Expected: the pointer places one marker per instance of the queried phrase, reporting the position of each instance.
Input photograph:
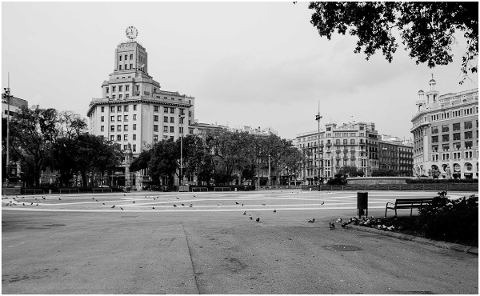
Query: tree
(96, 155)
(32, 135)
(164, 161)
(427, 29)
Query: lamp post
(269, 174)
(181, 149)
(6, 95)
(317, 118)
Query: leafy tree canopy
(427, 29)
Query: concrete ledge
(421, 240)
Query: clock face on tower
(132, 32)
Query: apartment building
(445, 134)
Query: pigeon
(93, 197)
(274, 211)
(177, 198)
(322, 203)
(344, 224)
(113, 206)
(251, 218)
(175, 206)
(124, 194)
(242, 205)
(194, 196)
(258, 219)
(311, 221)
(245, 212)
(236, 203)
(59, 198)
(31, 204)
(263, 204)
(183, 205)
(191, 205)
(121, 208)
(43, 197)
(37, 204)
(218, 204)
(339, 220)
(103, 203)
(96, 200)
(331, 226)
(7, 204)
(153, 208)
(35, 198)
(24, 204)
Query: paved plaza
(211, 243)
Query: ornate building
(350, 144)
(135, 112)
(445, 134)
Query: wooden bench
(410, 203)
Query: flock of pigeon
(331, 225)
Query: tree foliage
(427, 29)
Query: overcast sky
(247, 64)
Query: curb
(421, 240)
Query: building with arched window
(445, 134)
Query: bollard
(362, 203)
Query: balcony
(338, 151)
(328, 144)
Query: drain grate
(343, 248)
(54, 224)
(37, 228)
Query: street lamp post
(181, 116)
(7, 162)
(269, 173)
(317, 118)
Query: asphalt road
(78, 245)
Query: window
(113, 96)
(165, 129)
(445, 128)
(182, 111)
(120, 96)
(337, 142)
(172, 110)
(112, 118)
(119, 88)
(102, 119)
(190, 130)
(125, 137)
(456, 126)
(131, 56)
(119, 118)
(112, 128)
(119, 108)
(125, 108)
(468, 135)
(134, 116)
(103, 109)
(434, 139)
(155, 108)
(181, 120)
(125, 117)
(112, 138)
(155, 138)
(112, 109)
(165, 118)
(345, 141)
(172, 119)
(165, 109)
(134, 147)
(120, 57)
(155, 117)
(134, 137)
(434, 129)
(102, 128)
(106, 90)
(468, 144)
(138, 87)
(119, 128)
(445, 138)
(119, 137)
(445, 147)
(189, 113)
(172, 129)
(466, 124)
(126, 57)
(456, 136)
(457, 145)
(155, 128)
(134, 127)
(180, 130)
(134, 106)
(125, 127)
(127, 87)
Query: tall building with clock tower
(135, 112)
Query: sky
(257, 64)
